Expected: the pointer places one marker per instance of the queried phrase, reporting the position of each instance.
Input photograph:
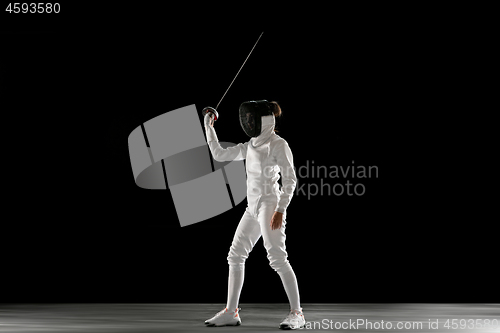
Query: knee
(280, 264)
(236, 260)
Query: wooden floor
(255, 317)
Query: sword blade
(239, 70)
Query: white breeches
(249, 230)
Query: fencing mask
(251, 113)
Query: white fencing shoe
(294, 320)
(224, 318)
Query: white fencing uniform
(265, 155)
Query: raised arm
(220, 154)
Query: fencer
(267, 155)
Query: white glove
(209, 128)
(208, 120)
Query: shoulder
(278, 143)
(278, 140)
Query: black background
(365, 84)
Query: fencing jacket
(266, 156)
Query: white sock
(234, 285)
(292, 289)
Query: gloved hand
(209, 127)
(208, 119)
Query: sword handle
(211, 110)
